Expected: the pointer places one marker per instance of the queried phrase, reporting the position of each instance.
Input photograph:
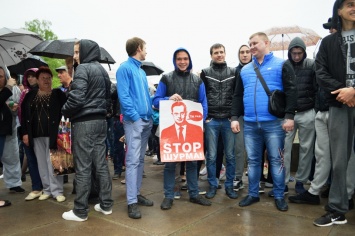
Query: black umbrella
(63, 48)
(151, 69)
(30, 62)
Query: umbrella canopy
(63, 48)
(151, 69)
(30, 62)
(280, 37)
(15, 45)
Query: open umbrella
(15, 44)
(63, 48)
(280, 37)
(30, 62)
(151, 69)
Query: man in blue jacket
(136, 107)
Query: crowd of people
(120, 120)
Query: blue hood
(174, 56)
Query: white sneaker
(203, 171)
(43, 197)
(33, 195)
(99, 209)
(60, 198)
(1, 176)
(69, 215)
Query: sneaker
(299, 188)
(200, 200)
(271, 193)
(237, 184)
(203, 171)
(123, 181)
(60, 198)
(184, 187)
(98, 208)
(133, 211)
(331, 218)
(268, 185)
(201, 192)
(69, 215)
(261, 188)
(116, 176)
(143, 201)
(231, 193)
(211, 192)
(43, 197)
(166, 204)
(306, 198)
(17, 189)
(33, 195)
(177, 195)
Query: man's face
(45, 81)
(63, 76)
(244, 55)
(31, 79)
(258, 46)
(142, 53)
(347, 11)
(2, 78)
(182, 60)
(179, 114)
(76, 56)
(297, 54)
(218, 55)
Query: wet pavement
(224, 217)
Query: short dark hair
(133, 44)
(215, 46)
(43, 69)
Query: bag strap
(257, 71)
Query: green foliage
(42, 28)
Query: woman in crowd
(41, 114)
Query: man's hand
(288, 125)
(176, 97)
(351, 103)
(235, 126)
(345, 95)
(25, 140)
(11, 82)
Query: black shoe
(166, 204)
(299, 188)
(143, 201)
(331, 218)
(211, 192)
(17, 189)
(248, 200)
(306, 198)
(231, 194)
(133, 211)
(184, 187)
(281, 204)
(200, 200)
(325, 193)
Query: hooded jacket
(27, 87)
(305, 72)
(219, 80)
(331, 60)
(90, 89)
(188, 85)
(5, 112)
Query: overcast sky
(166, 25)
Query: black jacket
(219, 80)
(90, 88)
(56, 102)
(5, 112)
(331, 66)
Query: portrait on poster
(181, 131)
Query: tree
(42, 28)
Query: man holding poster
(178, 85)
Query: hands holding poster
(181, 131)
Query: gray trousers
(52, 184)
(10, 159)
(89, 149)
(304, 123)
(322, 153)
(239, 150)
(341, 132)
(350, 175)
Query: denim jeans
(137, 134)
(191, 177)
(213, 128)
(33, 168)
(270, 133)
(118, 147)
(88, 143)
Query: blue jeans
(270, 133)
(137, 134)
(191, 177)
(33, 168)
(88, 145)
(118, 147)
(214, 128)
